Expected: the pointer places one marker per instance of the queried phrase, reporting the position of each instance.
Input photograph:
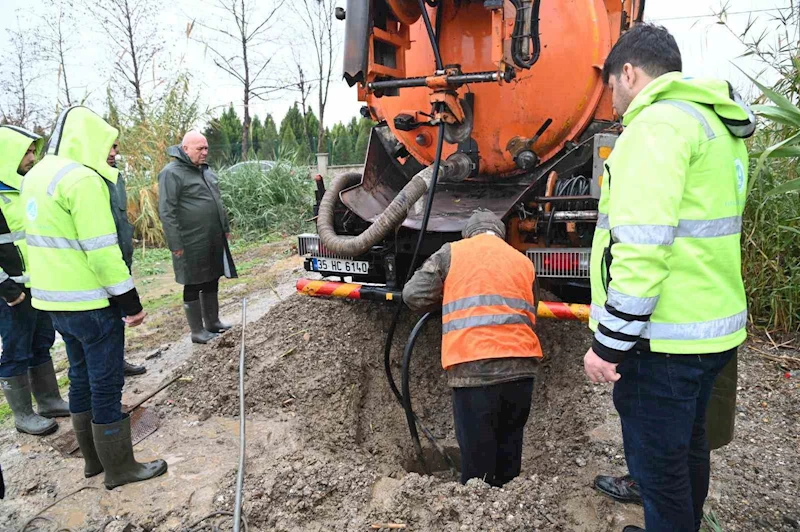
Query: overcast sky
(709, 49)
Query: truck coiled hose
(388, 221)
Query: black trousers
(191, 292)
(489, 423)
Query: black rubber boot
(114, 447)
(131, 370)
(18, 394)
(82, 425)
(210, 304)
(632, 528)
(194, 315)
(45, 390)
(622, 489)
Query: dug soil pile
(339, 456)
(350, 462)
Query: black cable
(523, 58)
(431, 35)
(412, 425)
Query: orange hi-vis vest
(488, 309)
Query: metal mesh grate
(572, 263)
(309, 244)
(144, 422)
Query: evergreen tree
(294, 120)
(362, 142)
(224, 138)
(312, 127)
(271, 141)
(352, 129)
(341, 145)
(256, 137)
(289, 145)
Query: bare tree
(304, 87)
(247, 30)
(56, 35)
(318, 20)
(131, 26)
(21, 71)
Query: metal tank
(527, 125)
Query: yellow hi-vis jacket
(74, 260)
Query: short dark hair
(647, 46)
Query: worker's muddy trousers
(95, 347)
(662, 402)
(489, 423)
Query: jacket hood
(713, 93)
(14, 142)
(178, 153)
(82, 136)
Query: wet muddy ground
(328, 446)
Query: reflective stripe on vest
(697, 115)
(9, 238)
(19, 279)
(57, 242)
(76, 296)
(703, 330)
(485, 321)
(61, 174)
(665, 235)
(485, 301)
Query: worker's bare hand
(17, 301)
(135, 320)
(178, 253)
(598, 370)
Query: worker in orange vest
(489, 347)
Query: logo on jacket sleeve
(31, 209)
(741, 175)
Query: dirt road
(328, 447)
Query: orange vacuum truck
(497, 104)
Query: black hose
(387, 347)
(412, 425)
(522, 58)
(431, 35)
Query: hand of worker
(17, 301)
(135, 320)
(178, 253)
(598, 370)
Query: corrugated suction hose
(387, 222)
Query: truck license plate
(340, 266)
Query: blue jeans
(489, 424)
(95, 348)
(27, 334)
(662, 401)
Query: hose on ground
(387, 346)
(387, 222)
(411, 418)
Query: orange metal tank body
(564, 85)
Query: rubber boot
(210, 304)
(194, 316)
(45, 390)
(114, 447)
(18, 394)
(82, 425)
(131, 370)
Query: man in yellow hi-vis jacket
(668, 301)
(77, 274)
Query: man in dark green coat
(197, 228)
(119, 210)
